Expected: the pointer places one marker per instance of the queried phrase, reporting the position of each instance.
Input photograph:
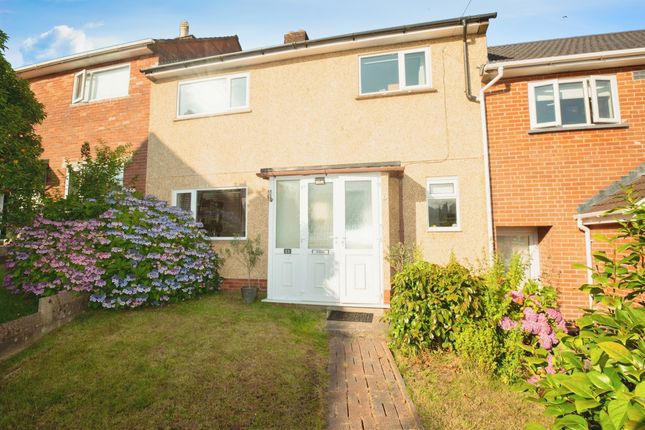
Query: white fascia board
(86, 59)
(568, 63)
(237, 60)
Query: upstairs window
(574, 102)
(101, 84)
(394, 72)
(212, 96)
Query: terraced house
(102, 96)
(331, 150)
(566, 128)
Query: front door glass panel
(321, 216)
(359, 225)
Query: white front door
(325, 240)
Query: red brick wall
(230, 284)
(116, 122)
(539, 180)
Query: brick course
(539, 180)
(115, 122)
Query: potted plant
(248, 253)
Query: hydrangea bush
(519, 325)
(139, 252)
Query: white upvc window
(443, 204)
(523, 242)
(573, 102)
(213, 95)
(222, 211)
(101, 84)
(394, 71)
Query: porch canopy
(394, 168)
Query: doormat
(350, 316)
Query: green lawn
(208, 363)
(451, 397)
(14, 306)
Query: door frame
(378, 207)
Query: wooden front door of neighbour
(325, 240)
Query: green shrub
(479, 345)
(431, 303)
(598, 377)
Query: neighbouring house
(102, 95)
(332, 150)
(566, 128)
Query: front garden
(464, 340)
(212, 362)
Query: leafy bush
(519, 322)
(401, 254)
(140, 251)
(480, 345)
(598, 377)
(431, 303)
(97, 176)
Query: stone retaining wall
(53, 312)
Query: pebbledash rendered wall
(307, 111)
(119, 121)
(538, 180)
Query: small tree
(247, 252)
(96, 176)
(91, 181)
(22, 173)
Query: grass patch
(14, 306)
(207, 363)
(449, 396)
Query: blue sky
(45, 29)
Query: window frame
(591, 101)
(85, 91)
(454, 180)
(594, 99)
(534, 248)
(193, 207)
(401, 68)
(228, 79)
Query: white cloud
(60, 41)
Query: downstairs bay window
(222, 211)
(574, 102)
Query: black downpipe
(468, 90)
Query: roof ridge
(613, 188)
(567, 38)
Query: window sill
(92, 102)
(578, 128)
(208, 115)
(396, 93)
(443, 230)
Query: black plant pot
(249, 294)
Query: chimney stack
(183, 29)
(295, 36)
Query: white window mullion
(556, 103)
(402, 83)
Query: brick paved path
(366, 389)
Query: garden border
(53, 312)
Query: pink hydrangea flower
(507, 324)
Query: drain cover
(350, 316)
